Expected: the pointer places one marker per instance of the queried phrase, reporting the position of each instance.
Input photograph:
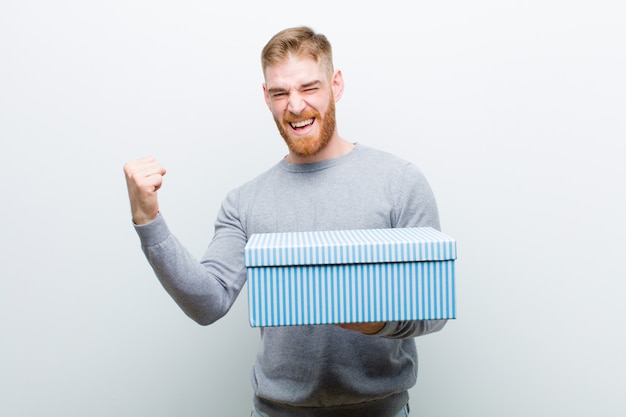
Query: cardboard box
(350, 276)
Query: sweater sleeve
(205, 290)
(416, 207)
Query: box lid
(349, 246)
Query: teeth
(302, 123)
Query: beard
(307, 146)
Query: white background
(514, 110)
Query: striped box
(350, 276)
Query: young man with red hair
(324, 183)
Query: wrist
(142, 218)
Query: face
(301, 97)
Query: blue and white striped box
(350, 276)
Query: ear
(337, 85)
(266, 96)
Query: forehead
(293, 71)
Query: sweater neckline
(321, 165)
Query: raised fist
(144, 178)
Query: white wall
(514, 110)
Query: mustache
(309, 114)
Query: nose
(295, 103)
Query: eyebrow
(304, 86)
(315, 83)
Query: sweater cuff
(389, 329)
(154, 232)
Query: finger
(144, 167)
(150, 163)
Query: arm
(415, 207)
(205, 290)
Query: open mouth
(302, 123)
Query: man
(324, 183)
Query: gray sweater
(307, 370)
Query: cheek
(321, 104)
(277, 110)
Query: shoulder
(398, 167)
(254, 186)
(384, 158)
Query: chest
(320, 203)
